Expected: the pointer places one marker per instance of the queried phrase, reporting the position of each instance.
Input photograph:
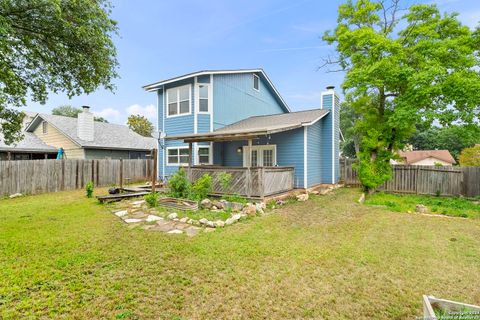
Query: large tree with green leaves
(140, 125)
(412, 67)
(52, 46)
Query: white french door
(262, 156)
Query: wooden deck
(255, 182)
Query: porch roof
(256, 126)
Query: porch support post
(190, 161)
(249, 171)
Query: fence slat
(40, 176)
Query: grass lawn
(450, 206)
(65, 256)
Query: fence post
(154, 171)
(93, 172)
(121, 173)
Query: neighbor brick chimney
(85, 128)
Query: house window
(177, 156)
(256, 82)
(262, 156)
(203, 98)
(204, 155)
(44, 127)
(178, 101)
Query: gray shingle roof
(275, 121)
(29, 143)
(260, 125)
(106, 135)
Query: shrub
(470, 156)
(89, 189)
(235, 198)
(152, 199)
(201, 188)
(225, 180)
(179, 184)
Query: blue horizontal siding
(203, 123)
(314, 155)
(289, 152)
(235, 99)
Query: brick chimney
(85, 128)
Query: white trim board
(305, 157)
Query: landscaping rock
(260, 207)
(250, 209)
(122, 213)
(214, 208)
(219, 204)
(211, 224)
(230, 221)
(137, 202)
(172, 215)
(175, 231)
(192, 231)
(206, 204)
(219, 224)
(280, 203)
(203, 221)
(237, 216)
(302, 197)
(184, 220)
(315, 192)
(420, 208)
(152, 218)
(15, 195)
(133, 220)
(208, 229)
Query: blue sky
(162, 39)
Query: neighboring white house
(426, 158)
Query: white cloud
(110, 114)
(148, 111)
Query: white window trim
(210, 155)
(178, 102)
(259, 149)
(253, 84)
(197, 98)
(176, 164)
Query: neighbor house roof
(106, 135)
(156, 85)
(29, 143)
(418, 155)
(258, 126)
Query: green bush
(201, 188)
(152, 199)
(89, 189)
(179, 184)
(235, 198)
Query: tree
(453, 138)
(52, 46)
(72, 112)
(415, 68)
(140, 125)
(470, 156)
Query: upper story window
(203, 98)
(44, 127)
(256, 82)
(178, 100)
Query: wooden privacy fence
(41, 176)
(249, 182)
(450, 181)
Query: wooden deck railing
(248, 182)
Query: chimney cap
(330, 87)
(86, 108)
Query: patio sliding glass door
(262, 156)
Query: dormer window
(256, 82)
(178, 100)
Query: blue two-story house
(237, 121)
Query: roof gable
(106, 135)
(157, 85)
